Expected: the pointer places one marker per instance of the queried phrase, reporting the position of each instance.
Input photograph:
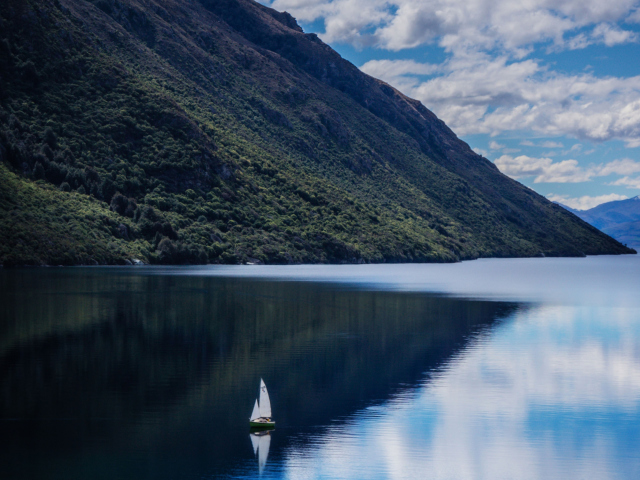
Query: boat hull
(261, 423)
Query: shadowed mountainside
(209, 131)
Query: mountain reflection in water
(151, 373)
(108, 373)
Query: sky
(549, 90)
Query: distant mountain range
(620, 219)
(218, 131)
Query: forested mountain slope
(204, 131)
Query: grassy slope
(232, 148)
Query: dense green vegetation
(218, 132)
(38, 221)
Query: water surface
(524, 368)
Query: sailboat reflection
(261, 442)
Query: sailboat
(261, 415)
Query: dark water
(492, 369)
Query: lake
(490, 369)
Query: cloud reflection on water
(553, 393)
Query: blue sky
(547, 89)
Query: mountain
(217, 131)
(620, 219)
(567, 207)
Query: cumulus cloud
(550, 144)
(546, 170)
(625, 166)
(480, 94)
(402, 74)
(612, 35)
(496, 146)
(467, 24)
(575, 148)
(634, 17)
(585, 202)
(627, 182)
(380, 68)
(522, 166)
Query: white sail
(263, 451)
(255, 440)
(265, 403)
(256, 412)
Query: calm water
(493, 369)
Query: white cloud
(496, 146)
(380, 68)
(567, 171)
(545, 144)
(459, 25)
(607, 34)
(544, 169)
(634, 17)
(522, 166)
(627, 182)
(478, 94)
(549, 144)
(625, 166)
(611, 35)
(402, 74)
(577, 42)
(585, 202)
